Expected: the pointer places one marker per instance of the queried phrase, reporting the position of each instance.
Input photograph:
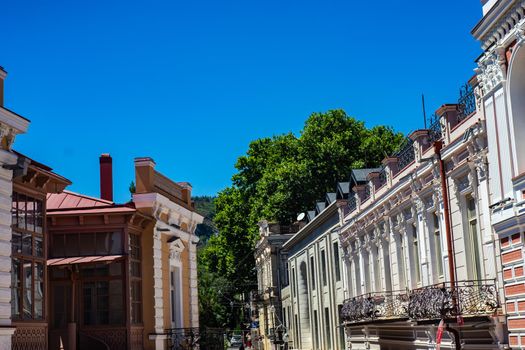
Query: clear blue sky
(191, 82)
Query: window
(86, 244)
(327, 329)
(176, 305)
(102, 294)
(312, 271)
(475, 254)
(415, 254)
(323, 266)
(341, 328)
(27, 264)
(377, 270)
(402, 263)
(135, 258)
(294, 280)
(316, 330)
(437, 245)
(336, 262)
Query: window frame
(32, 258)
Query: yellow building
(169, 251)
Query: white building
(501, 73)
(312, 301)
(11, 124)
(418, 244)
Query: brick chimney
(3, 74)
(106, 177)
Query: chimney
(3, 74)
(106, 177)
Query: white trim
(14, 121)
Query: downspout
(438, 145)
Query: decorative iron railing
(372, 307)
(367, 192)
(467, 298)
(406, 154)
(352, 204)
(466, 102)
(434, 130)
(195, 338)
(382, 177)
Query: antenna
(424, 112)
(301, 216)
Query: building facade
(315, 294)
(272, 275)
(501, 98)
(123, 275)
(419, 247)
(11, 125)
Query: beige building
(272, 275)
(169, 248)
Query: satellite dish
(301, 216)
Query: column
(6, 189)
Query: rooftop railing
(406, 154)
(440, 301)
(466, 102)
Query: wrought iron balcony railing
(406, 154)
(466, 102)
(467, 298)
(373, 307)
(195, 338)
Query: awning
(82, 260)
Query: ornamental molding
(491, 71)
(8, 134)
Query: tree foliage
(284, 175)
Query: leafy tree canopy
(284, 175)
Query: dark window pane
(71, 245)
(15, 288)
(115, 242)
(58, 245)
(39, 290)
(21, 204)
(87, 244)
(28, 288)
(27, 244)
(102, 243)
(30, 214)
(16, 242)
(39, 219)
(39, 246)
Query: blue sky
(191, 83)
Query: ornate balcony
(467, 298)
(375, 307)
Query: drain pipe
(438, 145)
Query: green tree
(280, 177)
